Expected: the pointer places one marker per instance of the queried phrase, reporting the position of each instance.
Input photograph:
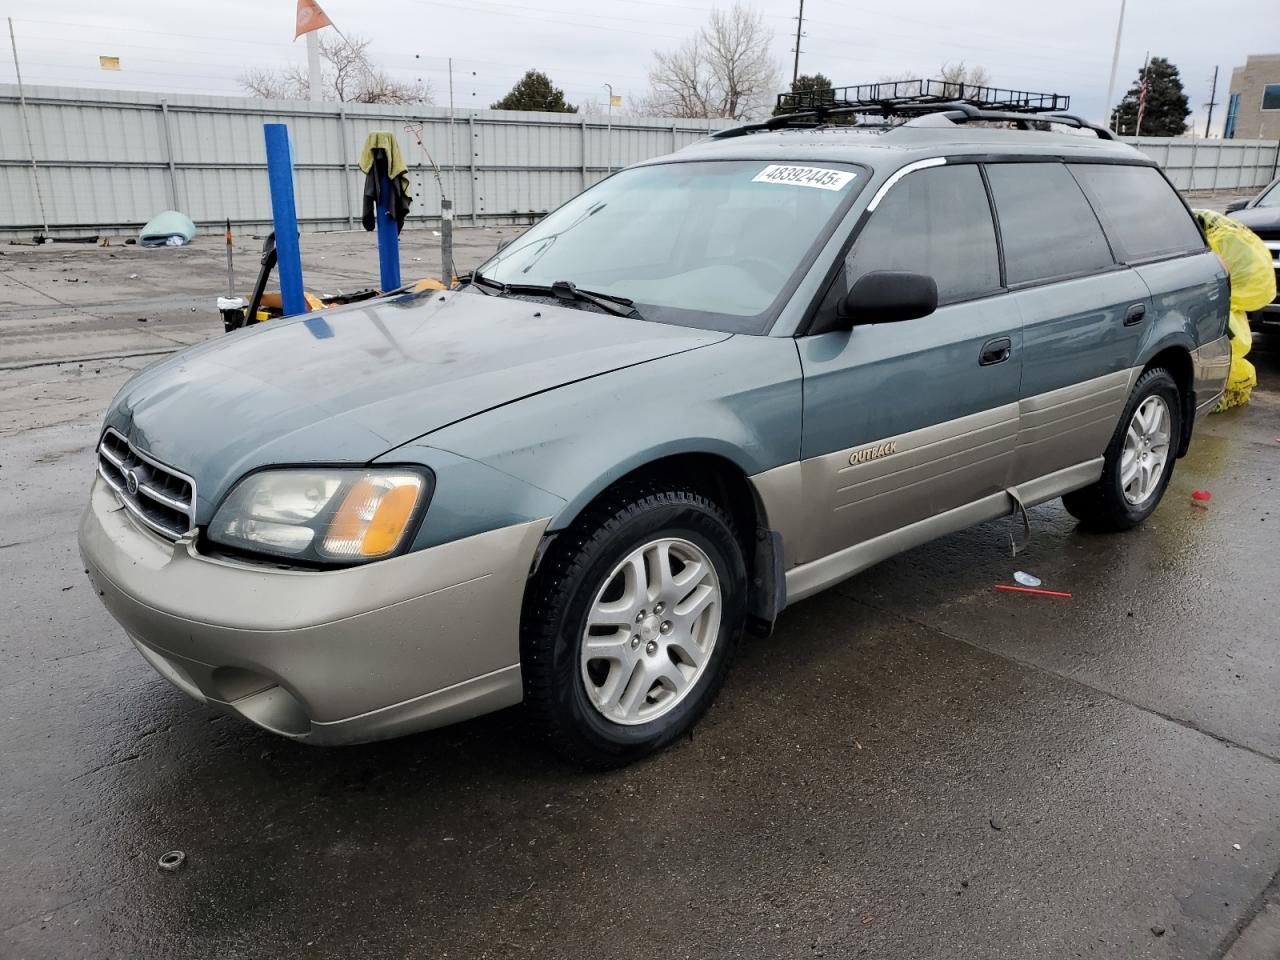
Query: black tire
(1103, 505)
(576, 567)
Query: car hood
(347, 385)
(1258, 218)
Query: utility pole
(1115, 62)
(795, 72)
(453, 154)
(1213, 92)
(608, 136)
(313, 66)
(26, 123)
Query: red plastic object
(1038, 592)
(1204, 496)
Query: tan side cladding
(859, 493)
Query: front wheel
(1139, 459)
(630, 624)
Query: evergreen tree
(1166, 110)
(534, 91)
(810, 83)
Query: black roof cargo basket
(905, 99)
(892, 97)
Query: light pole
(1115, 62)
(608, 135)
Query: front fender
(739, 399)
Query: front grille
(159, 496)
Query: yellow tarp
(1253, 286)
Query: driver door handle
(995, 351)
(1135, 314)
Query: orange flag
(310, 17)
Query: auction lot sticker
(819, 177)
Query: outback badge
(867, 454)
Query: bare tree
(347, 73)
(975, 76)
(725, 70)
(274, 84)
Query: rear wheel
(630, 624)
(1139, 459)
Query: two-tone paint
(525, 412)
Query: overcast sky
(189, 46)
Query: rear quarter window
(1143, 215)
(1047, 227)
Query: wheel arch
(720, 475)
(1175, 357)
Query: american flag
(1142, 100)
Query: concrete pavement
(913, 766)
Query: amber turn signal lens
(389, 522)
(373, 517)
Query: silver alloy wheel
(1146, 450)
(651, 631)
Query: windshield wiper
(484, 284)
(566, 290)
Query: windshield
(1271, 198)
(710, 244)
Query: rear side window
(1047, 226)
(1143, 215)
(935, 221)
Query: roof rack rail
(965, 112)
(914, 99)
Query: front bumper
(342, 656)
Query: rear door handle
(995, 351)
(1135, 314)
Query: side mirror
(1235, 205)
(889, 296)
(503, 244)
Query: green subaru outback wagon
(705, 388)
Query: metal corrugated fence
(1213, 164)
(110, 160)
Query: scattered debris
(142, 319)
(168, 229)
(1204, 496)
(133, 276)
(1235, 846)
(1158, 931)
(1038, 593)
(172, 861)
(996, 823)
(1027, 579)
(65, 589)
(868, 920)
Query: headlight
(321, 515)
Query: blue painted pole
(388, 238)
(285, 216)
